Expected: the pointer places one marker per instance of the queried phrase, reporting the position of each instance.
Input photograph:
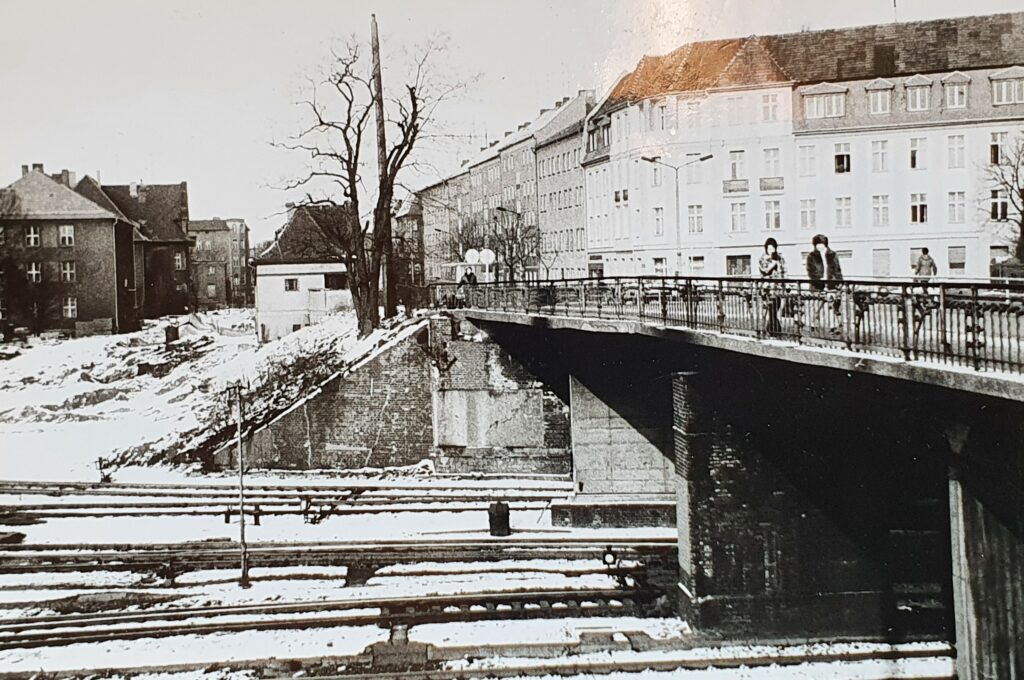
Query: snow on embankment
(126, 399)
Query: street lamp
(675, 168)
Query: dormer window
(954, 90)
(824, 101)
(1008, 86)
(879, 96)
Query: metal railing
(976, 325)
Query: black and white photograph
(561, 339)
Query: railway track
(28, 558)
(88, 628)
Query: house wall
(212, 261)
(167, 285)
(95, 287)
(278, 310)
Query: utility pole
(390, 302)
(243, 580)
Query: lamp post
(675, 168)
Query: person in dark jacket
(772, 266)
(825, 272)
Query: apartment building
(883, 144)
(445, 206)
(560, 211)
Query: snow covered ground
(65, 404)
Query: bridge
(844, 462)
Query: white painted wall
(279, 311)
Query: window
(737, 265)
(67, 271)
(655, 176)
(769, 108)
(808, 214)
(955, 151)
(919, 208)
(734, 110)
(697, 263)
(296, 327)
(1000, 207)
(825, 105)
(1008, 91)
(291, 284)
(69, 308)
(659, 221)
(772, 215)
(844, 211)
(67, 234)
(997, 148)
(34, 272)
(957, 207)
(211, 270)
(807, 160)
(695, 219)
(663, 122)
(659, 266)
(880, 156)
(736, 165)
(771, 163)
(957, 259)
(3, 236)
(880, 262)
(956, 95)
(32, 237)
(880, 211)
(211, 290)
(842, 157)
(179, 261)
(738, 215)
(880, 101)
(918, 97)
(998, 253)
(917, 152)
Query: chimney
(66, 177)
(543, 111)
(508, 132)
(24, 170)
(565, 100)
(522, 126)
(98, 178)
(37, 166)
(290, 210)
(133, 189)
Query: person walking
(825, 273)
(925, 268)
(772, 266)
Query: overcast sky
(196, 90)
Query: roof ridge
(735, 56)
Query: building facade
(883, 148)
(65, 262)
(560, 211)
(239, 271)
(445, 213)
(211, 263)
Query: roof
(37, 196)
(91, 189)
(208, 225)
(836, 55)
(567, 119)
(410, 207)
(161, 210)
(304, 237)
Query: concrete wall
(379, 416)
(491, 414)
(617, 444)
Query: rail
(970, 324)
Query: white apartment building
(882, 145)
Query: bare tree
(516, 244)
(1004, 175)
(339, 141)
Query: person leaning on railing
(772, 266)
(825, 273)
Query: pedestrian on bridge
(772, 266)
(825, 273)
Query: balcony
(735, 186)
(772, 184)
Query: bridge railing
(971, 324)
